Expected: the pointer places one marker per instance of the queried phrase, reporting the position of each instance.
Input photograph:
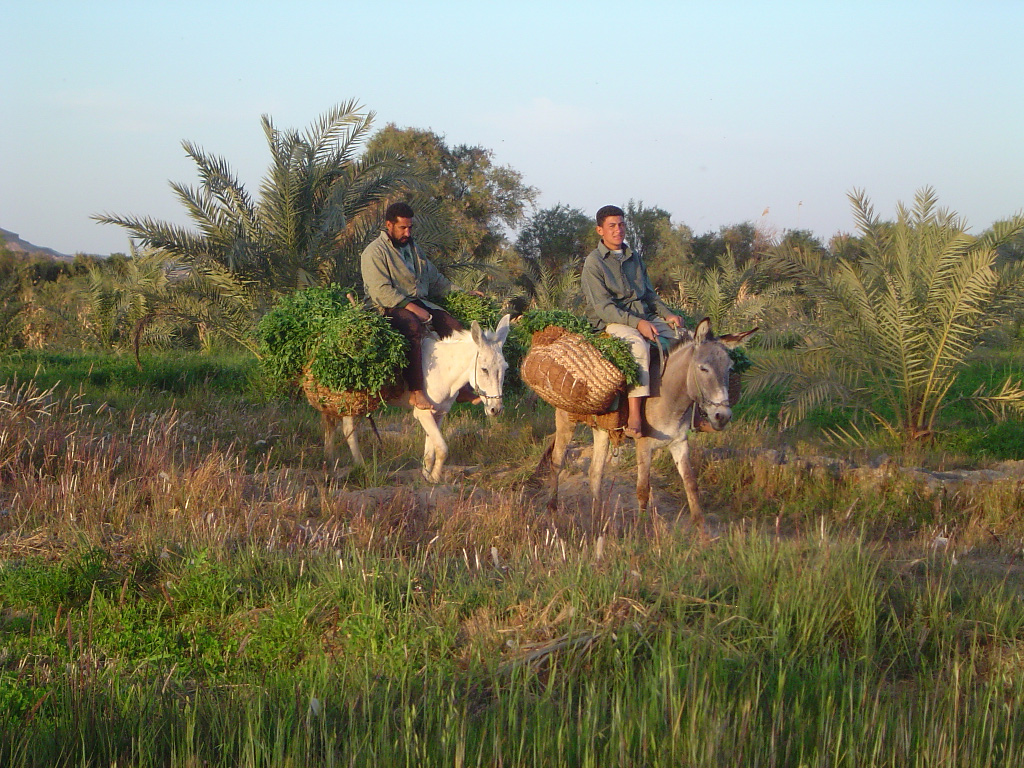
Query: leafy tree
(554, 237)
(741, 239)
(673, 254)
(800, 238)
(644, 227)
(549, 251)
(893, 328)
(475, 198)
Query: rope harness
(702, 401)
(475, 383)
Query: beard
(400, 242)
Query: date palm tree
(734, 296)
(892, 329)
(319, 203)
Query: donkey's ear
(703, 331)
(477, 333)
(501, 332)
(733, 340)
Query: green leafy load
(347, 346)
(466, 307)
(740, 361)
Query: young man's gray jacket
(619, 291)
(390, 283)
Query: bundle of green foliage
(467, 307)
(347, 346)
(740, 361)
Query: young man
(398, 278)
(622, 302)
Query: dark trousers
(406, 323)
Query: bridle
(702, 401)
(475, 383)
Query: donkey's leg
(348, 429)
(564, 427)
(435, 449)
(329, 424)
(430, 450)
(681, 453)
(643, 473)
(598, 458)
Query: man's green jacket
(390, 283)
(619, 291)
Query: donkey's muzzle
(719, 416)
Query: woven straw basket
(345, 403)
(569, 373)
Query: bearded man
(398, 278)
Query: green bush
(1004, 440)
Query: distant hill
(22, 247)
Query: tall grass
(172, 595)
(747, 652)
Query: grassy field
(183, 583)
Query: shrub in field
(893, 325)
(346, 346)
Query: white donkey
(471, 357)
(696, 374)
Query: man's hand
(421, 314)
(675, 321)
(647, 330)
(476, 293)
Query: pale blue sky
(713, 111)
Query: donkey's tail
(373, 423)
(544, 466)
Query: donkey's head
(488, 379)
(707, 380)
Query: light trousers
(641, 349)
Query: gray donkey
(696, 373)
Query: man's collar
(605, 251)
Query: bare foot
(419, 400)
(634, 430)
